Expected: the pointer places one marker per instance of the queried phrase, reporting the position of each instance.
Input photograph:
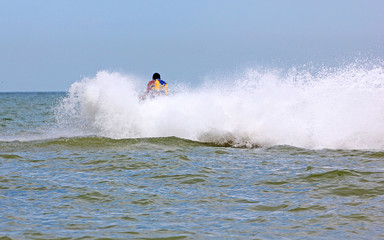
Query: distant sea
(293, 157)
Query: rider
(157, 87)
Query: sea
(262, 153)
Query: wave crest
(328, 108)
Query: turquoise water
(64, 175)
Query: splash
(338, 108)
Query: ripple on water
(109, 190)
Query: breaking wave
(337, 108)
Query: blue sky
(46, 45)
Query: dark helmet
(156, 76)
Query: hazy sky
(46, 45)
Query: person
(156, 87)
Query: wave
(336, 108)
(94, 142)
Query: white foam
(334, 108)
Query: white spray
(334, 108)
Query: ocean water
(267, 154)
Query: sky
(46, 45)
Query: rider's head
(156, 76)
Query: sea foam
(338, 108)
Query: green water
(90, 187)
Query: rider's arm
(149, 86)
